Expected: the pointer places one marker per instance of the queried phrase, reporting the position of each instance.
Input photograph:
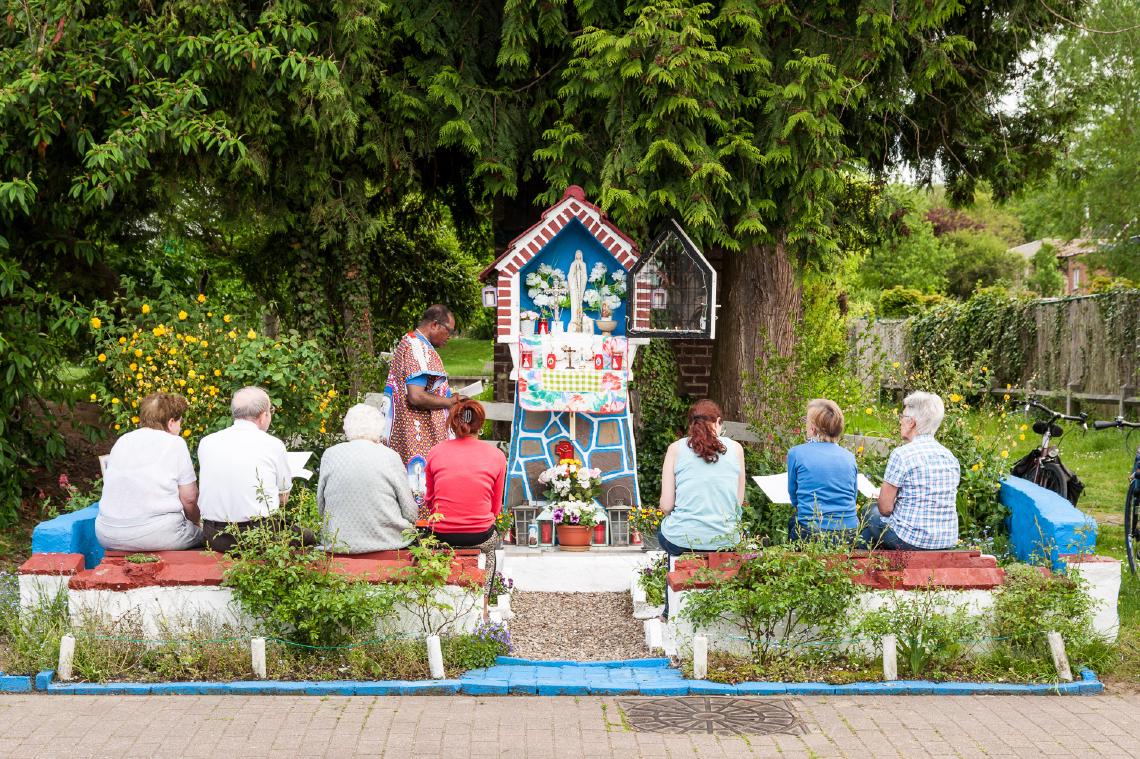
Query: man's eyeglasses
(905, 416)
(450, 330)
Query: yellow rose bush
(188, 346)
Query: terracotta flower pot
(573, 537)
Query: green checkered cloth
(572, 380)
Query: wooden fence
(1072, 353)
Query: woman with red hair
(702, 487)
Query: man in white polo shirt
(244, 474)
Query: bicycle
(1042, 465)
(1131, 496)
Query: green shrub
(196, 347)
(477, 649)
(933, 634)
(898, 302)
(1031, 603)
(783, 599)
(662, 413)
(294, 593)
(651, 579)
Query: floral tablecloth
(597, 383)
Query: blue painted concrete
(70, 533)
(646, 677)
(15, 684)
(1042, 523)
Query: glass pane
(675, 284)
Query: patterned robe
(415, 431)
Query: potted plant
(527, 322)
(604, 295)
(504, 521)
(645, 520)
(571, 488)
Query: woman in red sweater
(465, 479)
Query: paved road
(406, 727)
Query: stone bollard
(890, 658)
(435, 658)
(66, 657)
(257, 657)
(1060, 658)
(700, 657)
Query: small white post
(505, 606)
(435, 657)
(481, 561)
(890, 658)
(257, 656)
(1060, 658)
(66, 657)
(700, 657)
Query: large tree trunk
(356, 315)
(761, 302)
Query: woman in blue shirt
(702, 487)
(822, 478)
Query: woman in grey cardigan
(363, 494)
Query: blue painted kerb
(510, 676)
(1043, 523)
(70, 533)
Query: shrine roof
(573, 205)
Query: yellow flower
(1008, 386)
(116, 426)
(205, 344)
(181, 383)
(191, 374)
(135, 419)
(210, 313)
(985, 370)
(94, 397)
(231, 335)
(95, 322)
(1005, 397)
(138, 352)
(201, 298)
(955, 398)
(859, 449)
(102, 357)
(114, 401)
(226, 318)
(122, 341)
(159, 331)
(251, 334)
(145, 308)
(1005, 454)
(138, 376)
(182, 316)
(185, 433)
(895, 365)
(134, 367)
(975, 467)
(332, 393)
(217, 372)
(1021, 436)
(868, 411)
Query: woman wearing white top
(150, 491)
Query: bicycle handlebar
(1118, 422)
(1034, 403)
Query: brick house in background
(1072, 260)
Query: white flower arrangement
(606, 292)
(548, 290)
(581, 513)
(528, 316)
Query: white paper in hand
(866, 487)
(775, 486)
(471, 390)
(297, 460)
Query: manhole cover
(719, 715)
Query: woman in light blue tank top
(702, 486)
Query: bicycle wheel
(1132, 524)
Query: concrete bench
(1044, 525)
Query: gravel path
(580, 626)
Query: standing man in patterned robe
(417, 386)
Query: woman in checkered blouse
(917, 508)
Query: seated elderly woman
(150, 491)
(822, 478)
(917, 508)
(363, 492)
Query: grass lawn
(465, 357)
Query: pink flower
(576, 403)
(613, 407)
(64, 482)
(611, 381)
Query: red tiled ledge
(204, 568)
(880, 570)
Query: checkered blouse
(927, 475)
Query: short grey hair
(364, 422)
(249, 403)
(927, 411)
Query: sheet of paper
(297, 460)
(775, 486)
(471, 390)
(866, 487)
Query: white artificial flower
(619, 275)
